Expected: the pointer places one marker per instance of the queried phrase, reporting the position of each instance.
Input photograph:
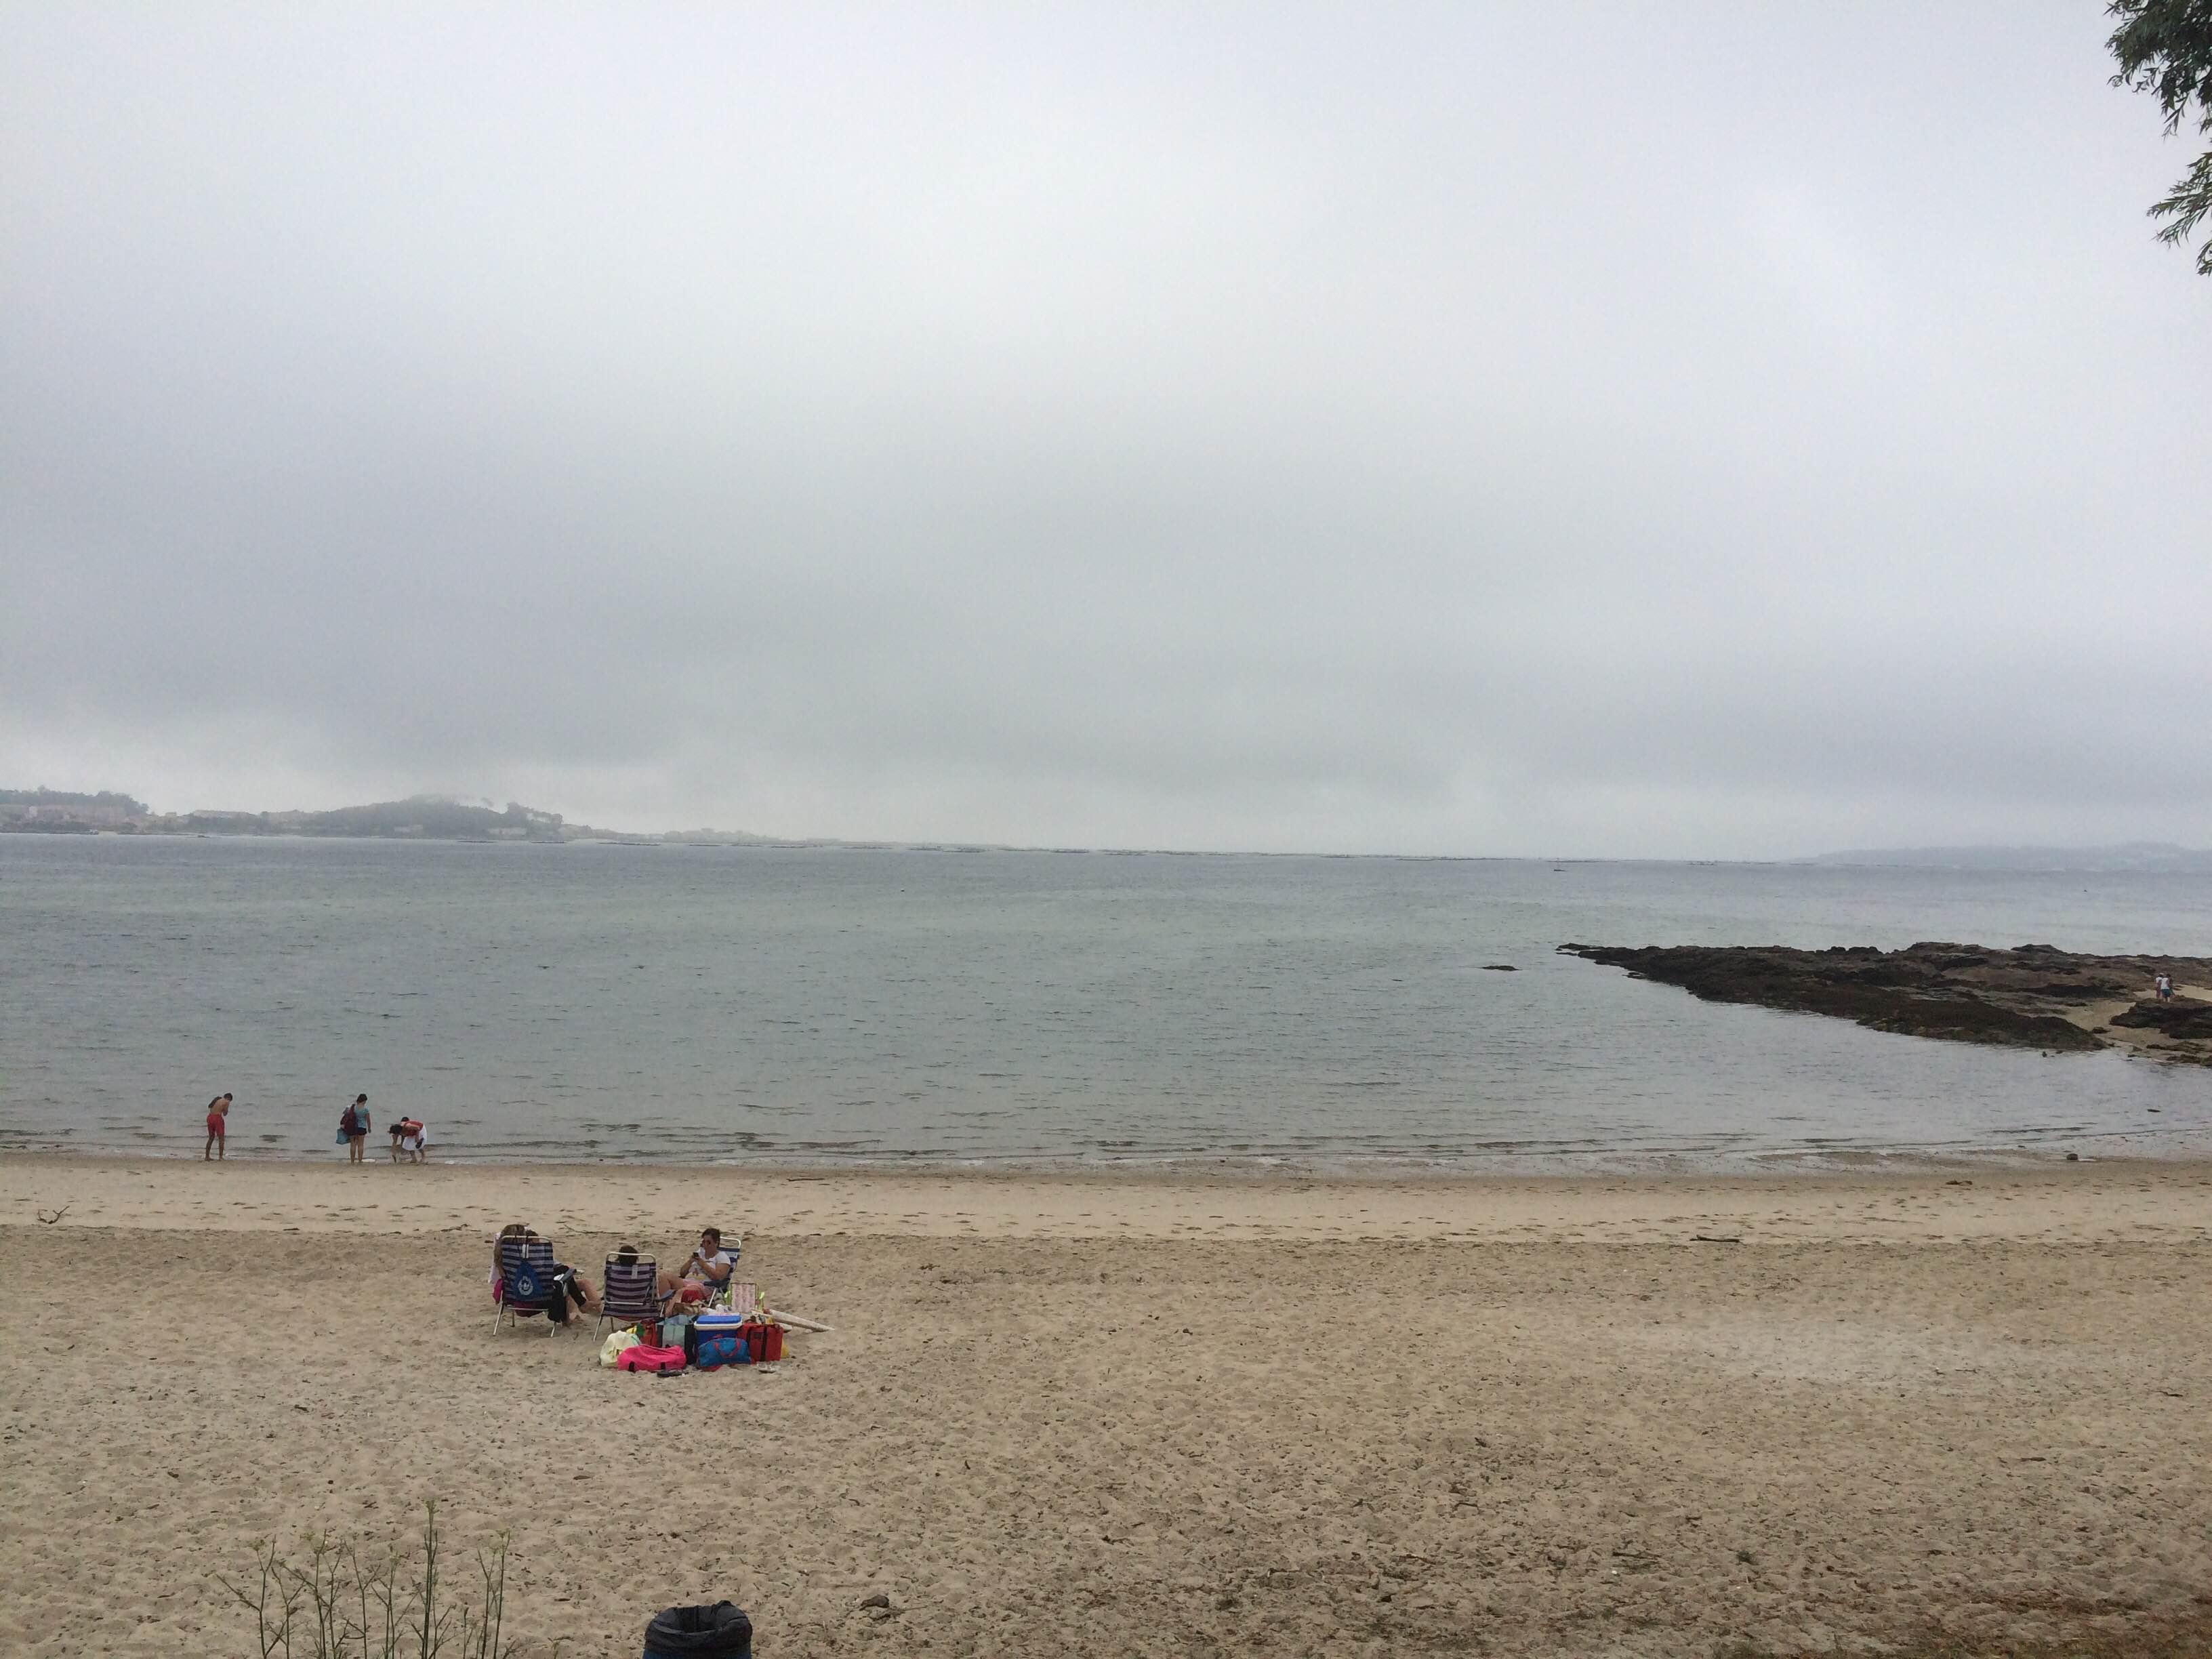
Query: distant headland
(419, 817)
(2133, 856)
(464, 819)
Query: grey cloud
(1452, 431)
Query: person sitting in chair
(574, 1287)
(706, 1272)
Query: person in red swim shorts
(218, 1109)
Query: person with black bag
(573, 1286)
(354, 1125)
(721, 1631)
(568, 1283)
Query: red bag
(763, 1340)
(643, 1358)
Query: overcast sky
(1682, 430)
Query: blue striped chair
(527, 1287)
(629, 1295)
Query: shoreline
(2138, 1198)
(2181, 1141)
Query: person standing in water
(218, 1109)
(355, 1125)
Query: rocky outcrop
(2184, 1018)
(2032, 996)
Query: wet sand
(1140, 1412)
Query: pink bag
(643, 1358)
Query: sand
(1139, 1414)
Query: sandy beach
(1113, 1414)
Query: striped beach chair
(629, 1295)
(527, 1287)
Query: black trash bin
(721, 1631)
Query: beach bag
(674, 1332)
(729, 1326)
(711, 1352)
(764, 1341)
(541, 1292)
(611, 1349)
(643, 1358)
(721, 1631)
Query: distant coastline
(418, 817)
(459, 818)
(2154, 857)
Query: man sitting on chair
(706, 1273)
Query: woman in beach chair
(704, 1274)
(526, 1279)
(630, 1292)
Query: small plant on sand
(336, 1601)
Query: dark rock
(2181, 1018)
(1500, 968)
(1938, 988)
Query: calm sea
(758, 1005)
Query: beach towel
(616, 1343)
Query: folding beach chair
(629, 1295)
(526, 1284)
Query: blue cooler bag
(711, 1352)
(721, 1631)
(718, 1339)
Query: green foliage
(2165, 47)
(336, 1602)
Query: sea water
(815, 1005)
